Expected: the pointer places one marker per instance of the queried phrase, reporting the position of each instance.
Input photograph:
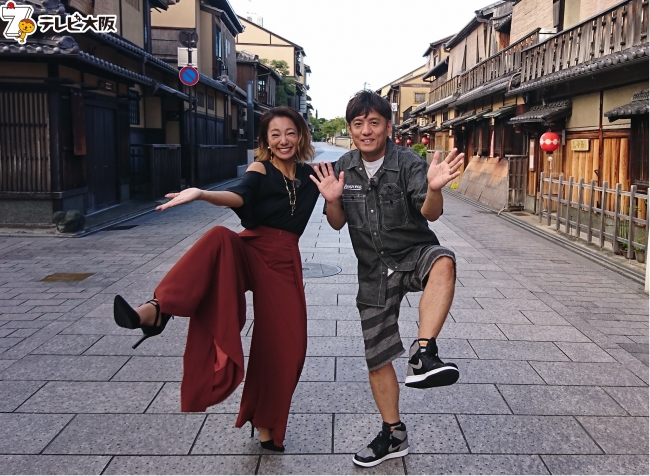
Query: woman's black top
(266, 200)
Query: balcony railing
(622, 26)
(505, 62)
(446, 89)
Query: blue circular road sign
(188, 75)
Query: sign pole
(191, 125)
(250, 122)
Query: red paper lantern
(409, 142)
(425, 140)
(549, 141)
(398, 141)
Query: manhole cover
(66, 277)
(120, 227)
(318, 270)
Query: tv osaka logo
(20, 24)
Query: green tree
(285, 89)
(317, 126)
(334, 126)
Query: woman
(274, 202)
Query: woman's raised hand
(186, 196)
(330, 187)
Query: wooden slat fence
(216, 163)
(155, 170)
(24, 142)
(578, 208)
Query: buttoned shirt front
(386, 226)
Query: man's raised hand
(330, 187)
(440, 174)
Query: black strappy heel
(267, 445)
(127, 317)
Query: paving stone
(489, 316)
(517, 350)
(618, 435)
(305, 434)
(633, 399)
(55, 367)
(596, 464)
(513, 304)
(128, 435)
(151, 369)
(519, 434)
(324, 464)
(541, 333)
(164, 345)
(455, 330)
(545, 318)
(347, 313)
(334, 346)
(427, 433)
(318, 369)
(354, 369)
(51, 464)
(321, 328)
(5, 363)
(168, 400)
(583, 373)
(474, 464)
(584, 352)
(497, 371)
(353, 329)
(565, 400)
(459, 398)
(14, 393)
(92, 397)
(29, 434)
(67, 344)
(182, 465)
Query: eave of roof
(442, 41)
(638, 106)
(457, 120)
(440, 104)
(493, 87)
(436, 70)
(544, 113)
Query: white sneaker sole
(449, 376)
(370, 464)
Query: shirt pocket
(393, 207)
(354, 206)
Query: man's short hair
(364, 102)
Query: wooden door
(101, 157)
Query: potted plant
(638, 251)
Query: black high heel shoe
(127, 317)
(267, 445)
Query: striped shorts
(381, 337)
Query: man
(386, 195)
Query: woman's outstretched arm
(222, 199)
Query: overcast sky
(349, 42)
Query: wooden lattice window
(134, 107)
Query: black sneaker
(389, 443)
(426, 370)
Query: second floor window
(217, 43)
(200, 99)
(419, 98)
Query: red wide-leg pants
(208, 285)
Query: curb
(639, 278)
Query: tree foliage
(285, 89)
(334, 126)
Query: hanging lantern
(409, 142)
(398, 141)
(425, 140)
(549, 141)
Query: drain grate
(318, 270)
(66, 277)
(521, 214)
(120, 227)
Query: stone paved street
(552, 348)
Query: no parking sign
(188, 75)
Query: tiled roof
(428, 127)
(419, 108)
(457, 120)
(630, 55)
(502, 111)
(440, 104)
(637, 107)
(495, 86)
(544, 113)
(47, 45)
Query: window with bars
(134, 107)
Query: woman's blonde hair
(305, 150)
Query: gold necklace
(292, 201)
